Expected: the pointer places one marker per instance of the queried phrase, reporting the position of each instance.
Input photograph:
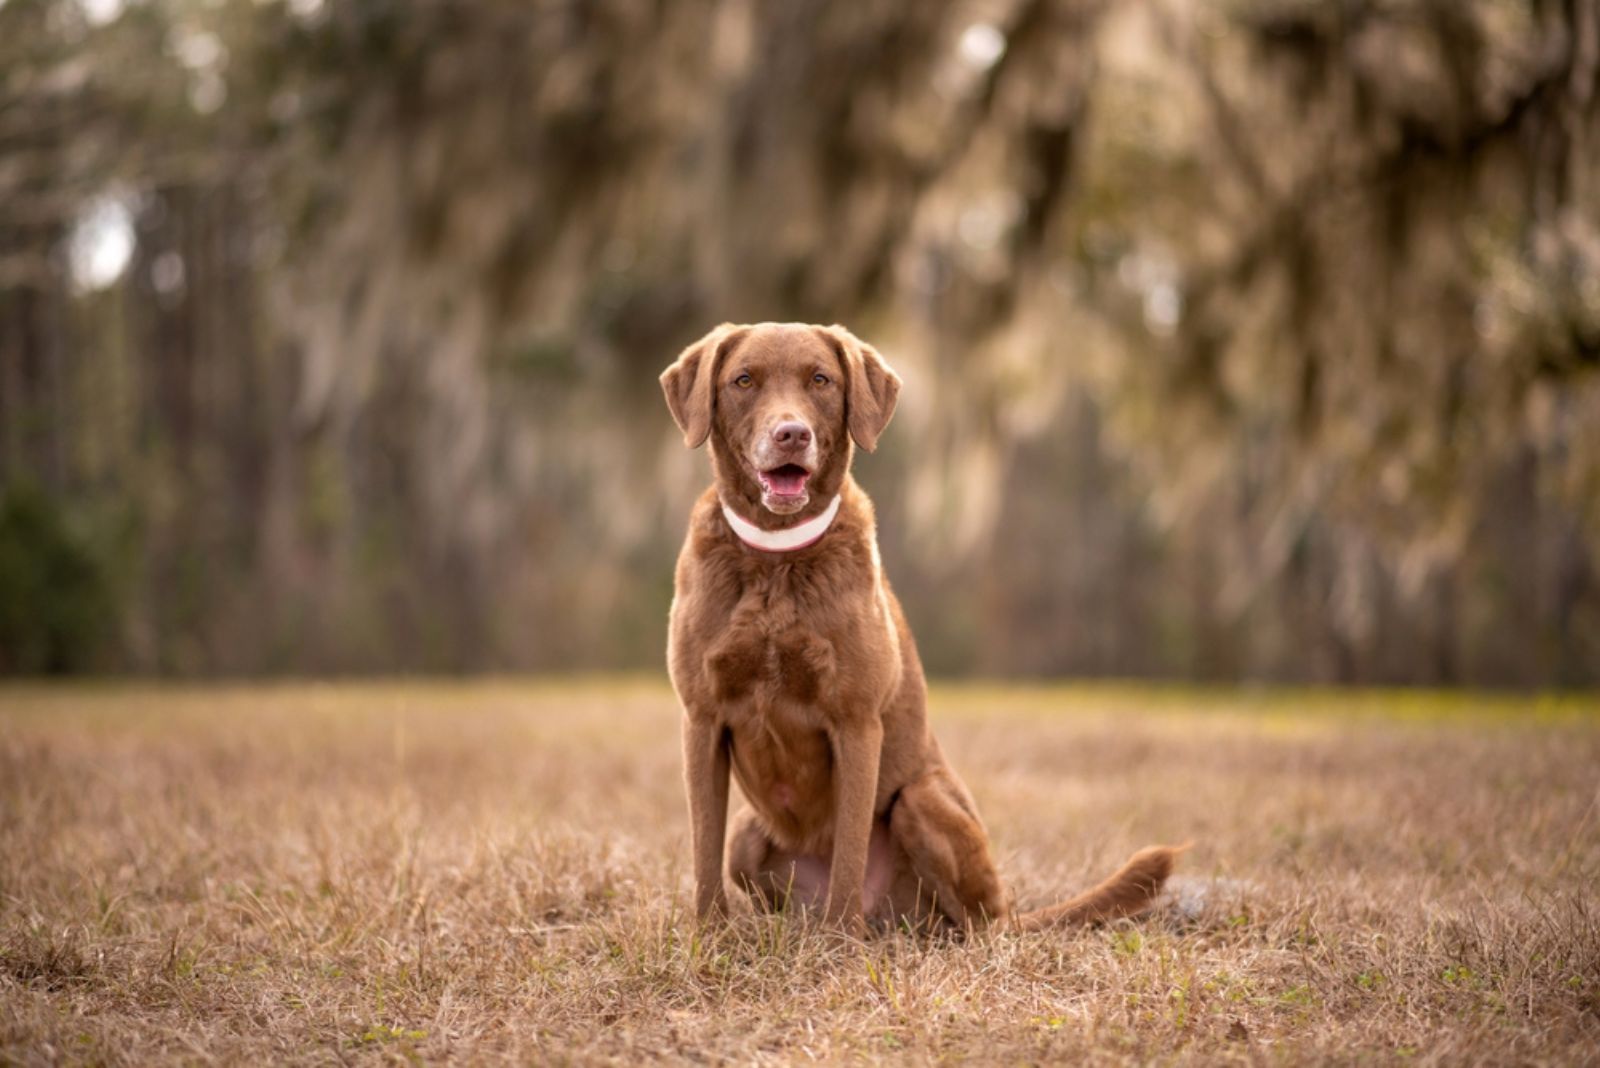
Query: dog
(797, 673)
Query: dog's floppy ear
(691, 383)
(871, 388)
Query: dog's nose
(791, 435)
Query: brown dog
(796, 669)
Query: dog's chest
(770, 651)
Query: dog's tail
(1127, 893)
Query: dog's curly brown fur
(797, 672)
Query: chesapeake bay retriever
(796, 669)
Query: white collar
(786, 540)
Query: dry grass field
(498, 871)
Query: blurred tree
(55, 604)
(1243, 337)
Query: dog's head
(781, 404)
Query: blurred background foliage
(1242, 338)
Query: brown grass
(497, 871)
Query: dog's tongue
(787, 481)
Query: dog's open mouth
(785, 483)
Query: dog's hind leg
(933, 823)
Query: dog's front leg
(856, 749)
(705, 774)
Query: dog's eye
(744, 381)
(820, 379)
